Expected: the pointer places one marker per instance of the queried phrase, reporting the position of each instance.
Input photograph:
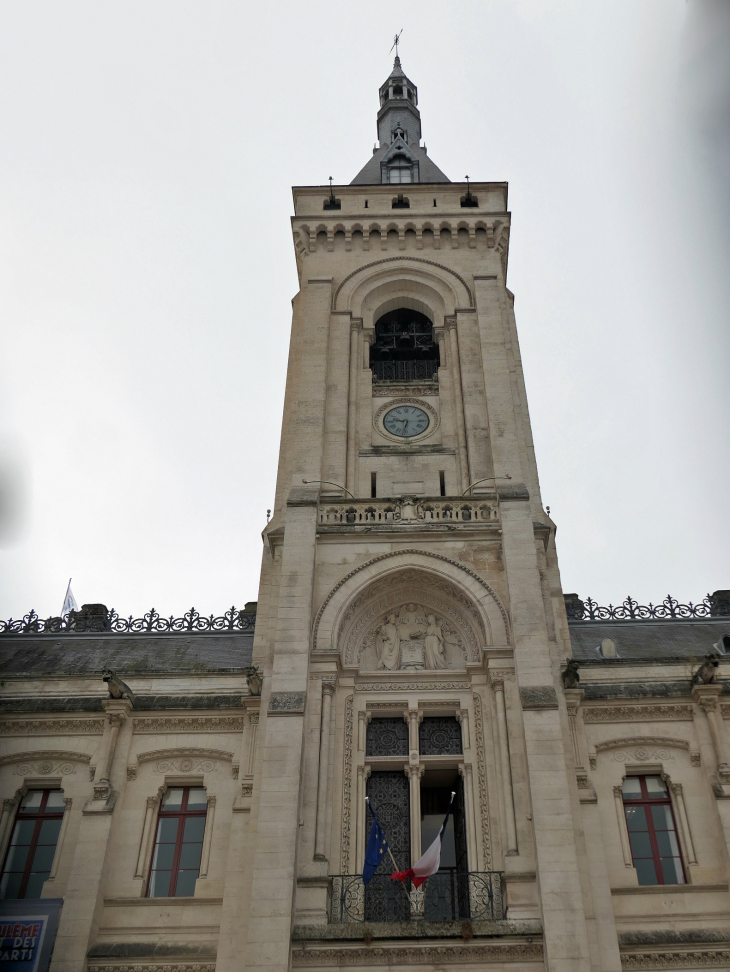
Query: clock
(406, 421)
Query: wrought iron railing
(447, 895)
(404, 370)
(713, 605)
(109, 621)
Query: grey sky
(146, 271)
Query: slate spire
(399, 157)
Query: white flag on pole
(69, 602)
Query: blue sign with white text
(27, 934)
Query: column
(478, 449)
(414, 772)
(465, 772)
(508, 807)
(363, 720)
(618, 800)
(572, 704)
(355, 329)
(363, 772)
(707, 697)
(85, 888)
(455, 366)
(320, 843)
(683, 820)
(145, 839)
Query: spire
(399, 157)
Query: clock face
(406, 421)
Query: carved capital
(356, 324)
(464, 770)
(450, 323)
(618, 791)
(496, 680)
(253, 718)
(707, 704)
(328, 688)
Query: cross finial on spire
(396, 41)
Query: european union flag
(377, 847)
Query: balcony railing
(404, 370)
(446, 896)
(409, 510)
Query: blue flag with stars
(376, 849)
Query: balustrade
(409, 510)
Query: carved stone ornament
(642, 748)
(420, 954)
(51, 727)
(189, 724)
(181, 761)
(346, 787)
(411, 638)
(482, 781)
(413, 687)
(697, 958)
(45, 763)
(286, 702)
(638, 713)
(156, 967)
(538, 697)
(395, 611)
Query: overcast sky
(146, 271)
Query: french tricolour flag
(428, 863)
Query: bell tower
(411, 624)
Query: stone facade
(408, 579)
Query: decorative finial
(396, 41)
(332, 195)
(268, 515)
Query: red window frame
(182, 815)
(647, 801)
(40, 815)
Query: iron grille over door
(387, 737)
(389, 798)
(439, 736)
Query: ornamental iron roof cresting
(83, 622)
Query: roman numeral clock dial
(406, 421)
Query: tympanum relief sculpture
(412, 638)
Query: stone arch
(416, 270)
(477, 599)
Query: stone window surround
(149, 829)
(414, 766)
(9, 816)
(676, 793)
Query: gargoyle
(254, 679)
(571, 678)
(117, 688)
(706, 674)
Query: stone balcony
(408, 512)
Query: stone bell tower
(411, 622)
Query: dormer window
(400, 171)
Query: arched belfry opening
(404, 348)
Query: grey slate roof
(71, 654)
(648, 640)
(428, 171)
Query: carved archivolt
(444, 585)
(404, 259)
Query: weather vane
(397, 41)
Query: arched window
(404, 348)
